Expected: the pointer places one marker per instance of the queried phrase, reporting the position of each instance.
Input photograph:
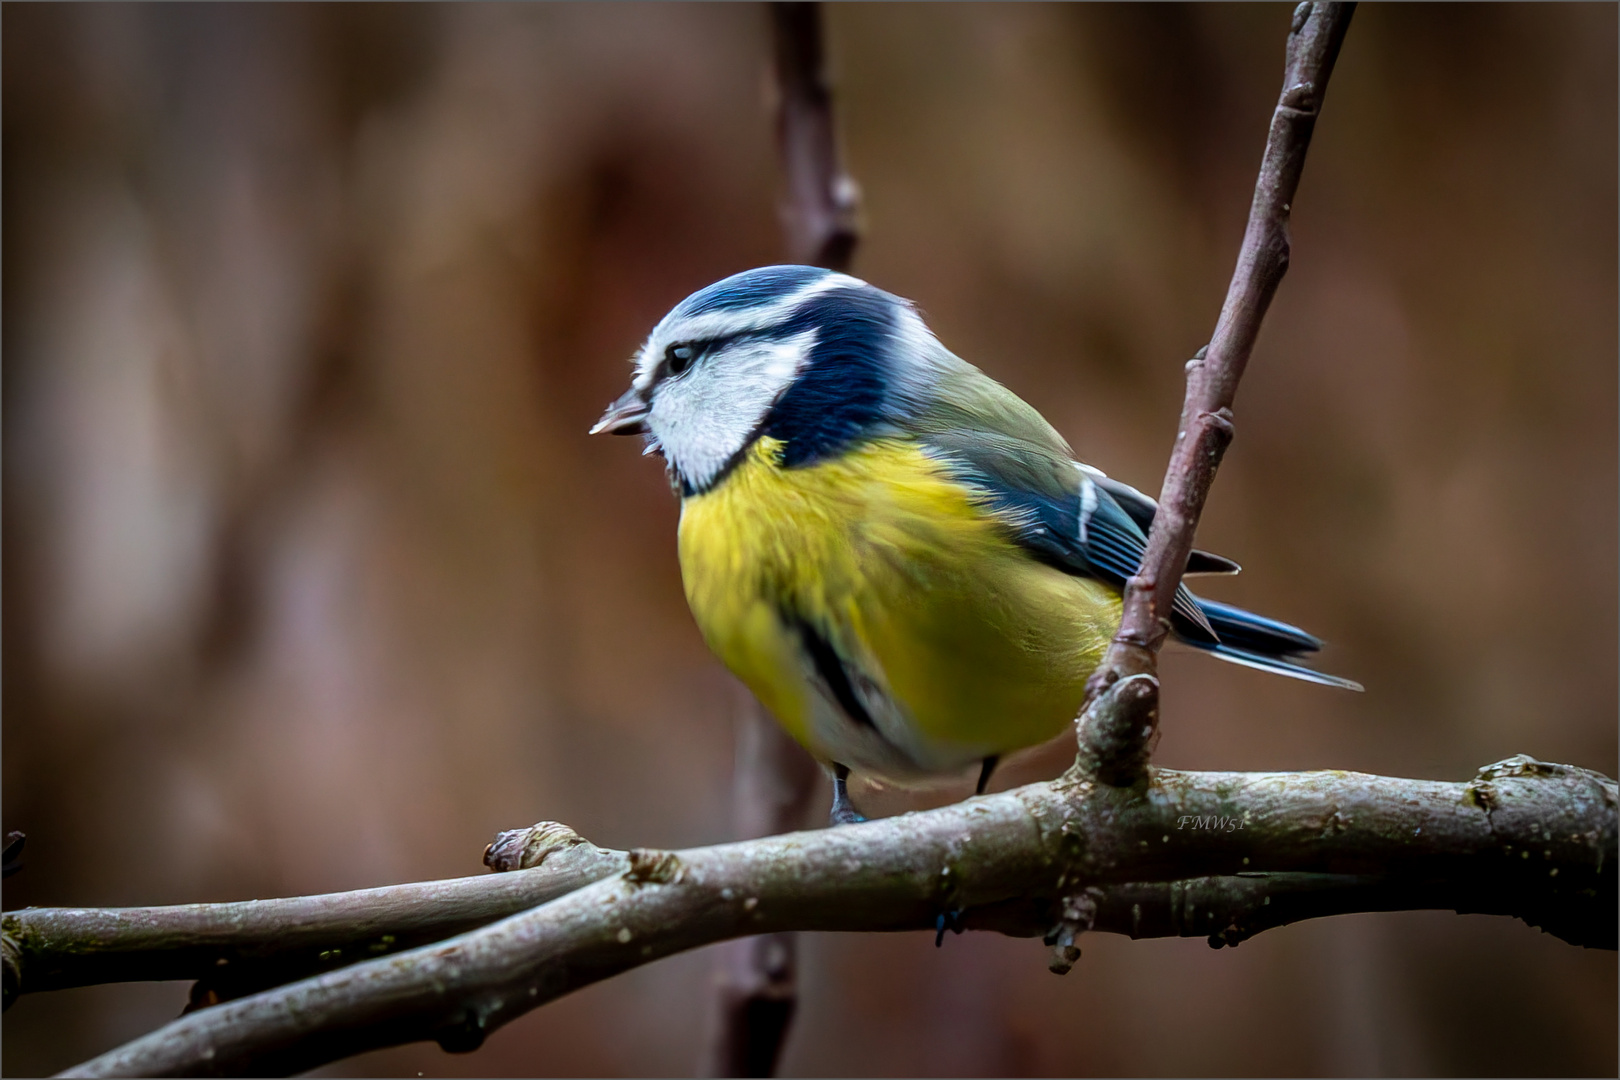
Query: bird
(899, 556)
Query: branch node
(525, 849)
(1503, 792)
(1231, 935)
(1220, 421)
(1117, 730)
(652, 867)
(463, 1037)
(1519, 765)
(1300, 97)
(1079, 915)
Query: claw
(843, 811)
(947, 920)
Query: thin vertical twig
(756, 979)
(1117, 731)
(821, 202)
(756, 985)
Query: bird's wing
(1142, 509)
(1065, 514)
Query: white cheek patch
(701, 419)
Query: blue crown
(751, 288)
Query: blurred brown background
(313, 580)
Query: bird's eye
(679, 357)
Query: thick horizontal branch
(241, 947)
(1232, 908)
(1543, 834)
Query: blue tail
(1258, 642)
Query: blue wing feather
(1046, 519)
(1107, 544)
(1076, 519)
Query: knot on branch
(1525, 765)
(1555, 828)
(525, 849)
(1516, 795)
(1219, 422)
(1117, 731)
(1130, 653)
(1230, 936)
(1079, 915)
(650, 867)
(1301, 97)
(464, 1034)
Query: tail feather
(1256, 633)
(1281, 667)
(1258, 642)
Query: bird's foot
(985, 769)
(947, 920)
(843, 811)
(845, 815)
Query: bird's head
(813, 358)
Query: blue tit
(896, 553)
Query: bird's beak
(627, 416)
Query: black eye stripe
(680, 356)
(678, 365)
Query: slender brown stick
(755, 982)
(1536, 839)
(819, 210)
(238, 948)
(755, 979)
(1212, 378)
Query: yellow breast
(911, 578)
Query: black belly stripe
(831, 670)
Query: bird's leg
(951, 918)
(843, 811)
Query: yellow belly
(978, 648)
